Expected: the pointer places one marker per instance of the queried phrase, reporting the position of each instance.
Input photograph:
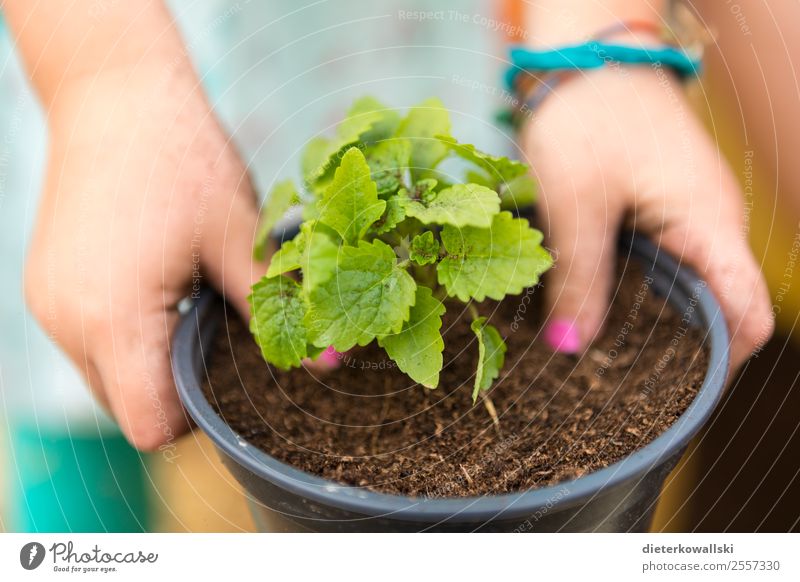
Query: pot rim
(370, 504)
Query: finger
(327, 361)
(132, 357)
(723, 259)
(583, 234)
(227, 248)
(229, 260)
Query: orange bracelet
(636, 25)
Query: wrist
(554, 23)
(596, 93)
(632, 36)
(145, 97)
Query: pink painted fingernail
(330, 358)
(562, 336)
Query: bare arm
(558, 22)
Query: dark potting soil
(549, 417)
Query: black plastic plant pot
(621, 497)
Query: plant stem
(487, 402)
(473, 311)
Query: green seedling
(388, 241)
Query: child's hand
(144, 199)
(616, 147)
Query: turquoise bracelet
(595, 54)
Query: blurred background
(65, 467)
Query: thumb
(228, 249)
(232, 268)
(723, 258)
(583, 234)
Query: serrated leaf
(369, 295)
(492, 262)
(316, 157)
(350, 204)
(518, 193)
(384, 120)
(286, 259)
(459, 205)
(424, 121)
(423, 189)
(277, 321)
(318, 255)
(424, 248)
(491, 355)
(282, 196)
(388, 161)
(499, 168)
(360, 119)
(417, 349)
(366, 122)
(394, 214)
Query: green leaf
(369, 295)
(360, 119)
(316, 158)
(518, 193)
(424, 189)
(350, 204)
(387, 161)
(459, 205)
(286, 259)
(499, 168)
(277, 321)
(394, 214)
(491, 355)
(384, 121)
(418, 347)
(367, 118)
(281, 198)
(492, 262)
(314, 351)
(478, 177)
(424, 121)
(424, 248)
(318, 255)
(310, 212)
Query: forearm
(552, 23)
(64, 42)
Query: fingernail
(330, 358)
(562, 336)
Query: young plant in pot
(404, 275)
